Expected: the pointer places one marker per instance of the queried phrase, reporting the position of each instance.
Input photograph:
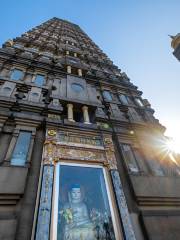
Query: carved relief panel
(61, 145)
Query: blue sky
(133, 33)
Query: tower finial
(171, 36)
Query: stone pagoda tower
(175, 44)
(82, 156)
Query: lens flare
(173, 146)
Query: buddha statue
(78, 225)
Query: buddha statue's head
(75, 193)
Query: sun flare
(173, 145)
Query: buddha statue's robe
(80, 228)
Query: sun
(172, 135)
(173, 145)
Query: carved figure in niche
(81, 224)
(77, 221)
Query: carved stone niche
(86, 91)
(45, 59)
(56, 87)
(5, 72)
(7, 89)
(38, 42)
(134, 116)
(50, 47)
(27, 55)
(35, 94)
(72, 93)
(28, 77)
(58, 63)
(9, 43)
(150, 117)
(9, 50)
(55, 104)
(100, 113)
(116, 113)
(93, 94)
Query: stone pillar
(2, 121)
(44, 214)
(70, 112)
(80, 72)
(69, 69)
(85, 114)
(46, 190)
(122, 206)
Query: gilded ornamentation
(50, 152)
(68, 146)
(52, 132)
(103, 125)
(54, 116)
(9, 43)
(110, 155)
(84, 140)
(108, 140)
(80, 154)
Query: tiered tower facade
(82, 156)
(175, 44)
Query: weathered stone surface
(162, 226)
(163, 187)
(122, 206)
(12, 180)
(7, 229)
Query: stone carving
(61, 145)
(122, 206)
(44, 214)
(50, 152)
(78, 224)
(54, 116)
(103, 125)
(80, 154)
(110, 155)
(56, 149)
(52, 132)
(84, 140)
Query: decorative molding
(122, 206)
(44, 214)
(49, 152)
(70, 146)
(74, 153)
(110, 152)
(66, 137)
(2, 121)
(51, 132)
